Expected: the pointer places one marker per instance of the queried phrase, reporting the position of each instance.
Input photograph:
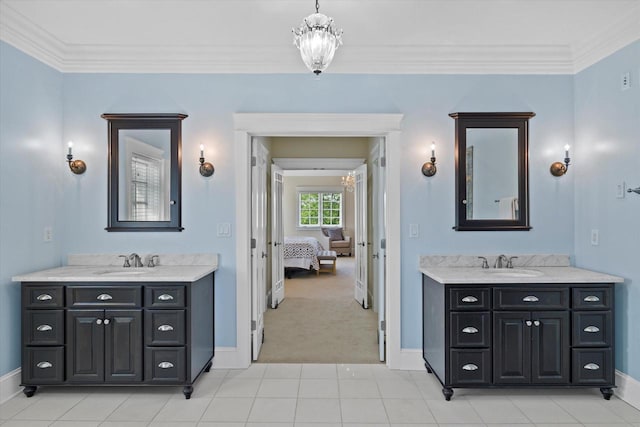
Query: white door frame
(247, 125)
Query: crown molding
(23, 34)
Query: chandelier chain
(317, 7)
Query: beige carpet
(319, 321)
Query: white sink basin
(513, 272)
(119, 273)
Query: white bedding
(302, 252)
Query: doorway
(248, 125)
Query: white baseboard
(9, 385)
(409, 359)
(228, 358)
(628, 389)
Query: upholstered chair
(338, 241)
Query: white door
(380, 234)
(360, 287)
(259, 248)
(277, 238)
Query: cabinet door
(550, 347)
(85, 346)
(123, 345)
(511, 347)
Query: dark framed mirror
(145, 168)
(492, 171)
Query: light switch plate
(224, 229)
(47, 234)
(620, 190)
(595, 237)
(414, 230)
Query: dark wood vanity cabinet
(117, 333)
(510, 335)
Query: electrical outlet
(620, 190)
(414, 230)
(625, 81)
(47, 234)
(595, 237)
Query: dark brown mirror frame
(171, 122)
(492, 120)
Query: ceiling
(380, 36)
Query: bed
(302, 252)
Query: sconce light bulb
(433, 149)
(566, 147)
(201, 147)
(70, 147)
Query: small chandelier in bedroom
(317, 39)
(349, 181)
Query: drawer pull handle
(470, 330)
(591, 366)
(470, 367)
(165, 328)
(470, 298)
(165, 365)
(43, 328)
(44, 365)
(44, 297)
(531, 298)
(592, 329)
(104, 297)
(165, 297)
(591, 298)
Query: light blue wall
(210, 101)
(607, 153)
(32, 175)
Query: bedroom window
(319, 208)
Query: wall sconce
(206, 168)
(429, 168)
(558, 168)
(77, 166)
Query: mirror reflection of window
(144, 187)
(492, 173)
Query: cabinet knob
(528, 323)
(536, 323)
(104, 297)
(165, 328)
(470, 298)
(44, 297)
(165, 365)
(42, 328)
(107, 321)
(470, 330)
(165, 297)
(591, 366)
(98, 321)
(591, 298)
(44, 365)
(530, 298)
(592, 329)
(470, 367)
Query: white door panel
(360, 285)
(277, 238)
(259, 253)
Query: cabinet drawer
(592, 329)
(592, 298)
(164, 327)
(470, 367)
(43, 327)
(469, 299)
(43, 365)
(165, 364)
(104, 296)
(536, 298)
(172, 296)
(470, 329)
(592, 366)
(43, 296)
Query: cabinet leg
(448, 392)
(187, 390)
(606, 392)
(428, 369)
(208, 367)
(30, 390)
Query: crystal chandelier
(317, 39)
(349, 181)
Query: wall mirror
(492, 187)
(145, 161)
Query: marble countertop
(530, 275)
(108, 268)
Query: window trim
(319, 190)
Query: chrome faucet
(499, 260)
(485, 264)
(150, 262)
(137, 262)
(510, 261)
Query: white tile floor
(294, 395)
